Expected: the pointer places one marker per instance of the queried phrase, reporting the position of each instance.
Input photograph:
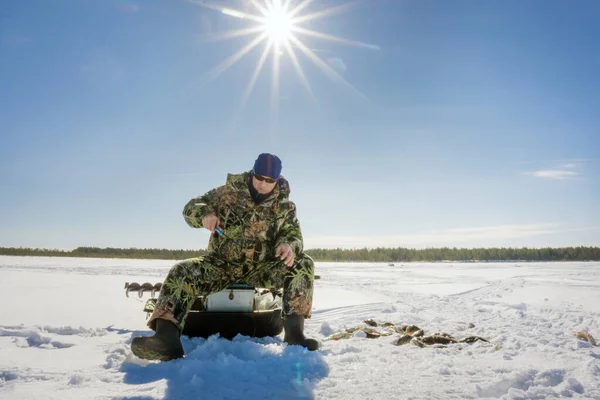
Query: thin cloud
(557, 174)
(568, 169)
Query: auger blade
(143, 288)
(131, 287)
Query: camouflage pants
(208, 274)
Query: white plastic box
(231, 300)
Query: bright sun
(278, 24)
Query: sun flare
(278, 24)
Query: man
(262, 246)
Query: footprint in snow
(34, 337)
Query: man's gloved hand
(286, 254)
(210, 222)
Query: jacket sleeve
(199, 207)
(289, 231)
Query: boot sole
(148, 353)
(308, 344)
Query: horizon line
(368, 248)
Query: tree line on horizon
(380, 254)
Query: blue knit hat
(267, 165)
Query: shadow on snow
(217, 368)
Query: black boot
(294, 332)
(164, 345)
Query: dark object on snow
(408, 334)
(165, 345)
(230, 324)
(370, 333)
(404, 339)
(586, 337)
(473, 339)
(294, 333)
(411, 329)
(437, 338)
(141, 289)
(238, 310)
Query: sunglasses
(265, 178)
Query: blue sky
(459, 123)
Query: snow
(66, 327)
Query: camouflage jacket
(253, 231)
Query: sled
(240, 309)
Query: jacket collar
(239, 182)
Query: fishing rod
(222, 233)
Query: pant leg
(297, 283)
(186, 281)
(298, 287)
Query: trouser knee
(177, 293)
(183, 268)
